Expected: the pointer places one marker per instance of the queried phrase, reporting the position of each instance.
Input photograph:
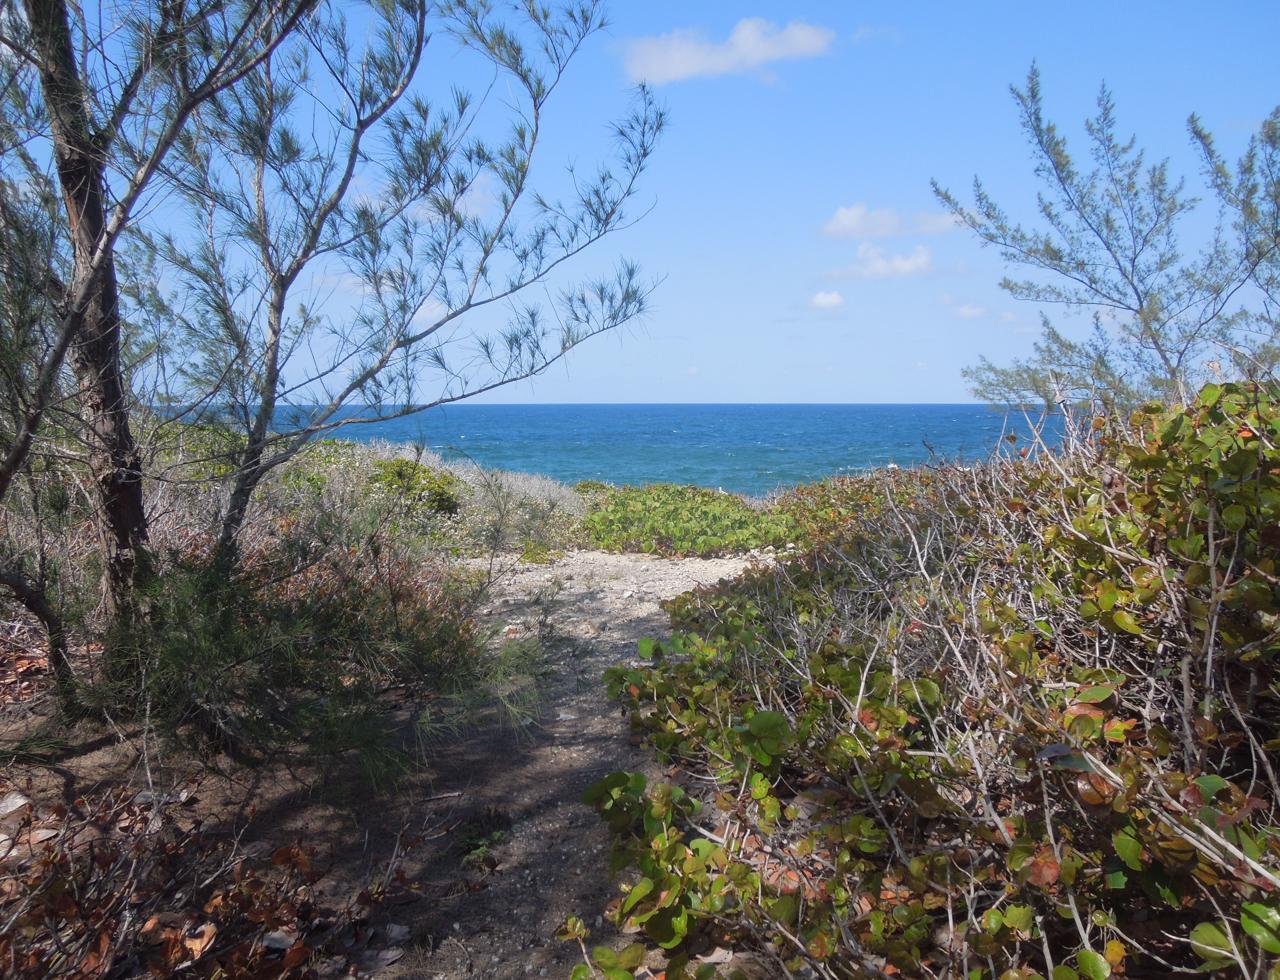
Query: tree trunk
(248, 476)
(95, 354)
(249, 471)
(34, 600)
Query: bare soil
(550, 860)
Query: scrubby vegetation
(419, 486)
(343, 644)
(347, 589)
(1016, 720)
(665, 519)
(683, 521)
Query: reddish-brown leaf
(1044, 869)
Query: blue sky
(801, 252)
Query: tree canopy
(1115, 237)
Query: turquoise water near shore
(750, 449)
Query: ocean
(750, 449)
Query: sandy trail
(549, 859)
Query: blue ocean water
(750, 449)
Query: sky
(799, 251)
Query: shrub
(673, 520)
(536, 553)
(312, 469)
(296, 649)
(1012, 721)
(191, 451)
(515, 512)
(422, 488)
(818, 512)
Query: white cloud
(935, 222)
(873, 263)
(1008, 317)
(827, 300)
(860, 221)
(753, 43)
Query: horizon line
(466, 403)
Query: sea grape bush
(1010, 721)
(420, 487)
(666, 519)
(676, 521)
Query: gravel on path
(550, 851)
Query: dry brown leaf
(161, 927)
(12, 803)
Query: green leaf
(1125, 621)
(926, 691)
(1262, 922)
(1117, 729)
(581, 972)
(631, 957)
(1169, 431)
(641, 888)
(1064, 972)
(1094, 695)
(1210, 942)
(1128, 848)
(1210, 786)
(1019, 918)
(669, 927)
(604, 957)
(785, 909)
(603, 788)
(1093, 965)
(573, 928)
(1108, 595)
(1234, 517)
(1020, 854)
(769, 724)
(1209, 395)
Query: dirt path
(531, 853)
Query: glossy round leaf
(1092, 965)
(1210, 942)
(1124, 620)
(1262, 923)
